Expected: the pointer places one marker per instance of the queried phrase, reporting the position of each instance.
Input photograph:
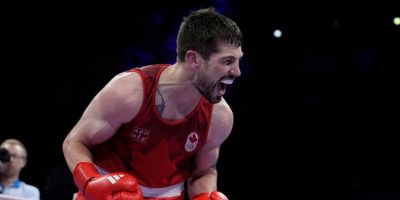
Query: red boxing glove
(115, 186)
(213, 196)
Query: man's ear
(192, 58)
(25, 162)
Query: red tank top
(157, 152)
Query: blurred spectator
(13, 160)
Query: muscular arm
(118, 102)
(204, 177)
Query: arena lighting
(335, 22)
(396, 21)
(277, 33)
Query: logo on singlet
(191, 141)
(140, 134)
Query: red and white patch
(140, 135)
(191, 141)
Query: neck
(161, 105)
(176, 83)
(176, 95)
(7, 180)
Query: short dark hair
(204, 30)
(13, 141)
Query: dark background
(315, 110)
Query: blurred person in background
(13, 158)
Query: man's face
(17, 160)
(218, 71)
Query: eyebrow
(230, 57)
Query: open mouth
(222, 85)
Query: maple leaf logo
(191, 141)
(193, 138)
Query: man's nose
(235, 71)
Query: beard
(207, 93)
(206, 89)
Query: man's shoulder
(152, 67)
(29, 186)
(222, 115)
(222, 108)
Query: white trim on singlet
(170, 191)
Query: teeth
(227, 81)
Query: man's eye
(228, 62)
